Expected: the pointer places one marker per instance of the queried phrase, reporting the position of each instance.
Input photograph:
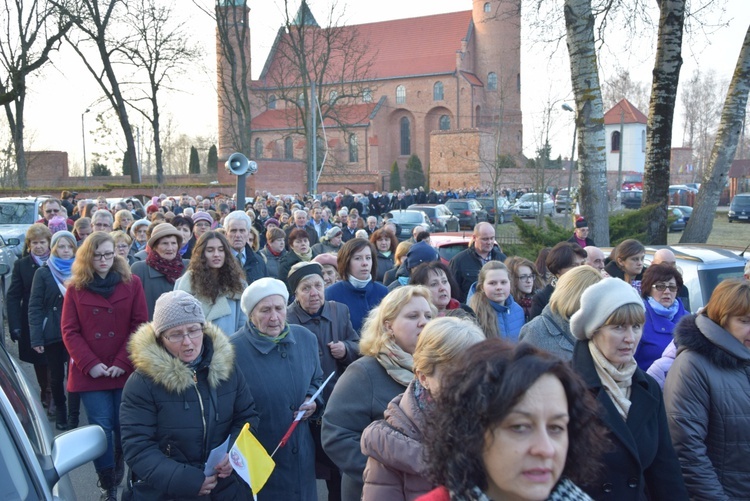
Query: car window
(741, 202)
(710, 278)
(17, 213)
(15, 482)
(13, 390)
(459, 206)
(448, 251)
(408, 217)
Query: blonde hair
(374, 334)
(37, 231)
(566, 299)
(82, 272)
(442, 340)
(627, 314)
(121, 235)
(480, 303)
(256, 239)
(401, 250)
(731, 298)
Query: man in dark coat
(466, 264)
(581, 234)
(237, 226)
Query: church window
(288, 148)
(332, 96)
(353, 149)
(492, 81)
(437, 91)
(405, 136)
(258, 147)
(487, 7)
(616, 141)
(445, 122)
(272, 102)
(400, 94)
(367, 95)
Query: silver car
(16, 215)
(531, 204)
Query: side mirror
(12, 242)
(77, 447)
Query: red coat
(97, 329)
(438, 494)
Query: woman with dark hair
(517, 423)
(357, 289)
(562, 258)
(216, 281)
(524, 282)
(104, 304)
(299, 251)
(661, 283)
(707, 395)
(385, 244)
(627, 263)
(436, 276)
(641, 463)
(185, 225)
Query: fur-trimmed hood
(153, 360)
(701, 335)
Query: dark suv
(739, 209)
(469, 212)
(631, 199)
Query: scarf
(396, 362)
(616, 382)
(104, 286)
(307, 256)
(184, 249)
(196, 363)
(40, 260)
(171, 269)
(274, 254)
(275, 340)
(386, 253)
(60, 269)
(565, 490)
(359, 284)
(663, 311)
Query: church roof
(288, 118)
(739, 168)
(400, 47)
(304, 17)
(630, 114)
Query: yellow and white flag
(250, 460)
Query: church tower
(497, 62)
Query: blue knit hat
(419, 253)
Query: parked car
(33, 462)
(531, 204)
(450, 244)
(631, 199)
(8, 258)
(16, 215)
(739, 208)
(440, 216)
(563, 202)
(407, 220)
(4, 271)
(137, 205)
(499, 214)
(469, 212)
(682, 214)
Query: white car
(531, 204)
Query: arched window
(353, 149)
(445, 122)
(288, 148)
(437, 91)
(332, 96)
(487, 7)
(258, 147)
(301, 99)
(478, 117)
(643, 141)
(400, 94)
(492, 81)
(272, 102)
(367, 95)
(405, 136)
(616, 141)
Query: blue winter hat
(419, 253)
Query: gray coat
(707, 398)
(154, 283)
(272, 262)
(280, 377)
(360, 397)
(551, 332)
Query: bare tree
(31, 31)
(732, 118)
(94, 22)
(159, 48)
(622, 86)
(701, 100)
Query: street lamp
(567, 107)
(83, 140)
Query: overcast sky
(59, 95)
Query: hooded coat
(707, 396)
(171, 417)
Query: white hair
(238, 215)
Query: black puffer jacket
(45, 309)
(169, 423)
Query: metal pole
(619, 158)
(312, 169)
(83, 140)
(567, 107)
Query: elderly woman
(395, 469)
(384, 371)
(281, 365)
(385, 244)
(82, 228)
(104, 304)
(524, 282)
(330, 243)
(163, 264)
(139, 233)
(562, 258)
(707, 395)
(640, 463)
(122, 245)
(551, 330)
(274, 250)
(183, 400)
(299, 251)
(357, 289)
(123, 220)
(338, 346)
(661, 283)
(330, 268)
(216, 280)
(436, 276)
(45, 310)
(627, 263)
(516, 424)
(37, 252)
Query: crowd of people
(576, 376)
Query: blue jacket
(657, 334)
(359, 301)
(510, 316)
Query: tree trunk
(661, 116)
(156, 126)
(579, 23)
(732, 115)
(122, 115)
(16, 122)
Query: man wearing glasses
(52, 208)
(482, 249)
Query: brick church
(444, 87)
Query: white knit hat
(598, 302)
(261, 289)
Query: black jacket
(540, 300)
(169, 423)
(573, 240)
(465, 267)
(312, 235)
(255, 266)
(17, 300)
(642, 463)
(290, 259)
(45, 309)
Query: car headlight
(731, 213)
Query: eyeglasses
(102, 225)
(526, 277)
(180, 337)
(51, 211)
(663, 287)
(104, 257)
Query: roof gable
(289, 118)
(629, 113)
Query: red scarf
(274, 254)
(171, 269)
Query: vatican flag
(250, 460)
